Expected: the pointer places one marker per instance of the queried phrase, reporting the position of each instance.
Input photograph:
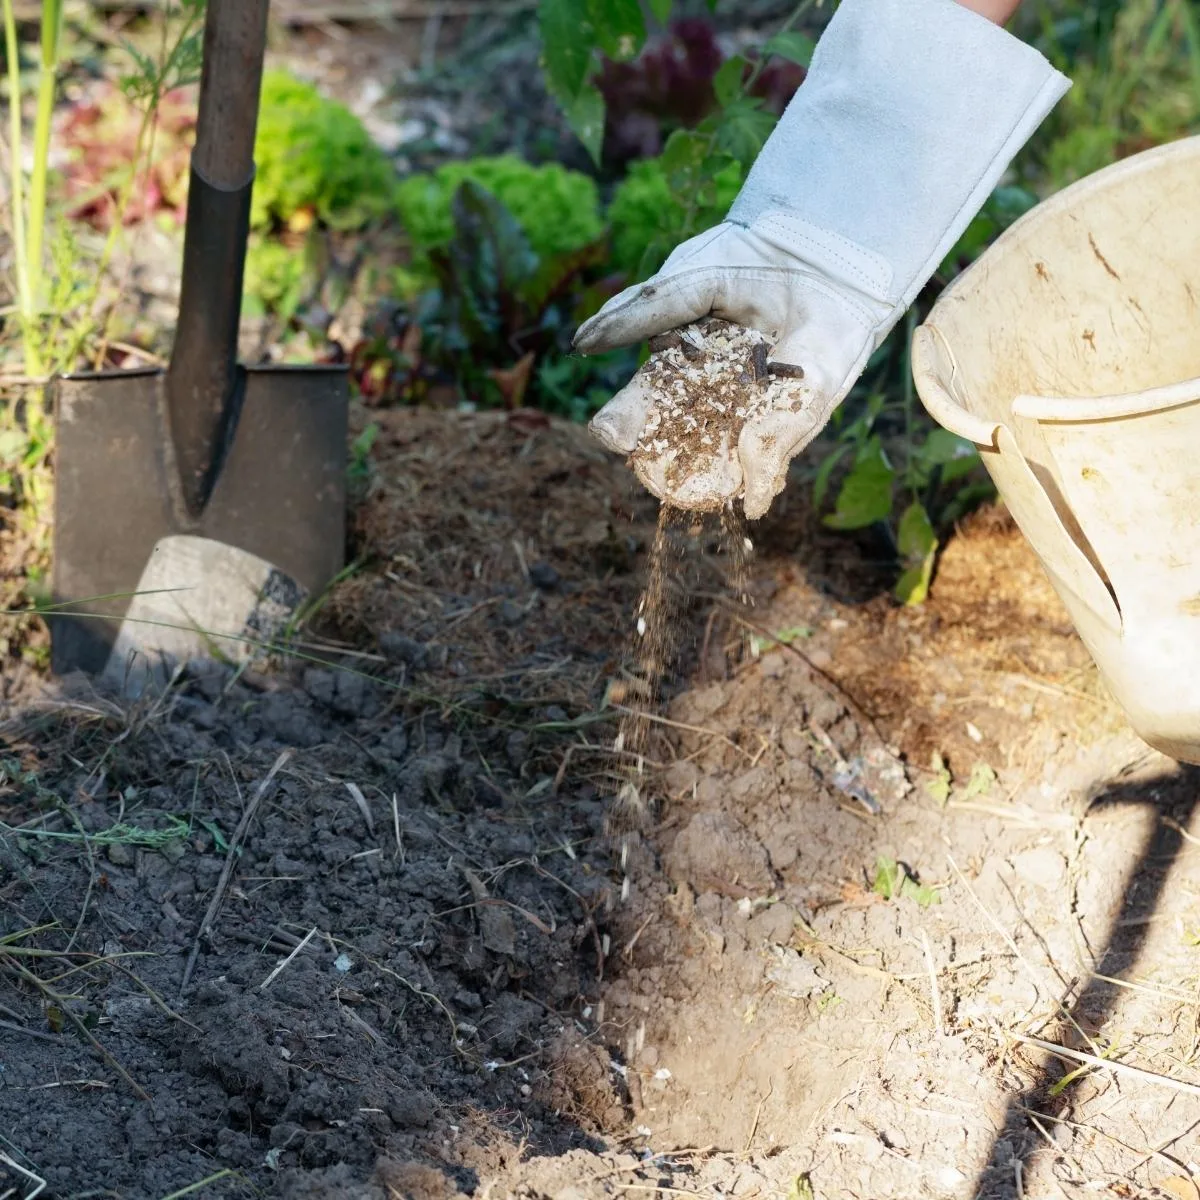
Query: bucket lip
(1078, 409)
(1185, 147)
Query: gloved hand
(909, 115)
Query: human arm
(999, 12)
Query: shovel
(250, 458)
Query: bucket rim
(1045, 210)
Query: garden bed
(911, 912)
(424, 978)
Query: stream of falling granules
(657, 637)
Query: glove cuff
(909, 116)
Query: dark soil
(454, 939)
(357, 927)
(430, 859)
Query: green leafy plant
(697, 163)
(557, 209)
(939, 781)
(278, 276)
(315, 161)
(496, 326)
(926, 489)
(648, 209)
(1135, 69)
(671, 85)
(983, 777)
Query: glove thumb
(647, 309)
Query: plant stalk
(52, 19)
(16, 180)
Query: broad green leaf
(917, 544)
(585, 116)
(481, 272)
(914, 535)
(620, 27)
(889, 876)
(958, 467)
(892, 880)
(727, 82)
(825, 473)
(791, 44)
(942, 446)
(568, 38)
(921, 893)
(866, 493)
(742, 128)
(684, 151)
(913, 585)
(661, 10)
(942, 449)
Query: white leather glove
(911, 112)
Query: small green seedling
(785, 637)
(938, 786)
(892, 881)
(360, 453)
(1108, 1053)
(220, 841)
(980, 783)
(801, 1188)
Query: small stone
(543, 576)
(680, 777)
(396, 647)
(319, 685)
(773, 925)
(412, 1110)
(394, 742)
(120, 855)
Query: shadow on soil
(1174, 797)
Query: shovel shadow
(1175, 796)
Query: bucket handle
(1023, 493)
(929, 350)
(1107, 408)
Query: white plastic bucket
(1069, 353)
